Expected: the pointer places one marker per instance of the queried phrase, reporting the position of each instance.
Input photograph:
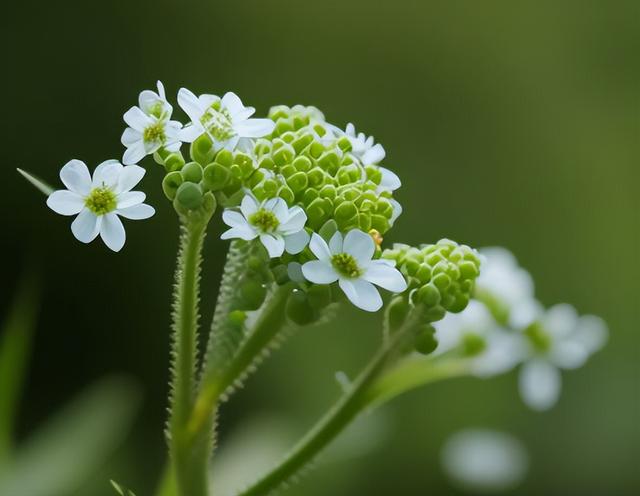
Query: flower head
(99, 201)
(558, 339)
(350, 262)
(279, 227)
(225, 120)
(155, 104)
(147, 133)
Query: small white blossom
(156, 104)
(349, 261)
(503, 282)
(99, 201)
(559, 339)
(226, 120)
(147, 133)
(474, 332)
(279, 227)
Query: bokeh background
(510, 123)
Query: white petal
(254, 128)
(232, 103)
(336, 243)
(147, 99)
(295, 243)
(190, 104)
(86, 226)
(390, 181)
(136, 152)
(319, 248)
(112, 232)
(129, 177)
(568, 354)
(319, 272)
(296, 221)
(592, 333)
(189, 134)
(373, 155)
(362, 294)
(389, 278)
(230, 144)
(540, 384)
(561, 320)
(274, 243)
(249, 205)
(107, 174)
(137, 212)
(137, 119)
(294, 271)
(397, 210)
(205, 101)
(359, 245)
(234, 219)
(279, 207)
(239, 233)
(65, 202)
(130, 198)
(161, 92)
(130, 136)
(76, 177)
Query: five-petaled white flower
(226, 120)
(349, 261)
(99, 201)
(559, 339)
(147, 133)
(279, 227)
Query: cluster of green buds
(441, 278)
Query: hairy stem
(189, 464)
(353, 402)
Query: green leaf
(37, 182)
(74, 444)
(15, 346)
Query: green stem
(218, 382)
(337, 419)
(190, 465)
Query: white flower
(560, 339)
(279, 227)
(99, 201)
(491, 349)
(156, 104)
(226, 120)
(147, 133)
(349, 262)
(503, 282)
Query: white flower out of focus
(279, 227)
(484, 461)
(225, 120)
(506, 288)
(560, 339)
(99, 201)
(490, 348)
(149, 127)
(350, 262)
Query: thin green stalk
(189, 464)
(217, 383)
(337, 419)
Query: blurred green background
(510, 123)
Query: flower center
(265, 220)
(538, 337)
(154, 133)
(473, 344)
(218, 122)
(101, 201)
(346, 265)
(157, 109)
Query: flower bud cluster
(441, 276)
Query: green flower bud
(171, 183)
(202, 150)
(189, 195)
(252, 294)
(215, 177)
(397, 312)
(299, 309)
(192, 172)
(425, 340)
(319, 296)
(173, 162)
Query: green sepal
(192, 172)
(201, 150)
(171, 183)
